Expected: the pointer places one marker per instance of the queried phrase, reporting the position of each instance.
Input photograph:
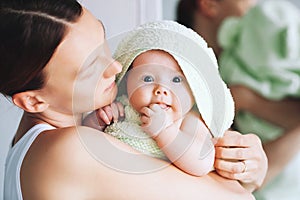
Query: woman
(54, 60)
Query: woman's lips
(111, 86)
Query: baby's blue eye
(148, 79)
(177, 79)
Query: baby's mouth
(164, 106)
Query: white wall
(296, 2)
(9, 118)
(169, 9)
(120, 16)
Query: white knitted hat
(197, 62)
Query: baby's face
(156, 78)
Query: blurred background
(118, 17)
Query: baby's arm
(102, 117)
(186, 142)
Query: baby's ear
(30, 102)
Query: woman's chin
(114, 93)
(108, 98)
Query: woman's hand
(102, 117)
(241, 157)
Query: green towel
(261, 50)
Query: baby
(168, 69)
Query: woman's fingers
(246, 177)
(244, 171)
(237, 166)
(235, 139)
(234, 153)
(241, 157)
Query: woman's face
(237, 8)
(80, 76)
(156, 78)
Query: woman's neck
(208, 29)
(56, 120)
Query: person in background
(258, 54)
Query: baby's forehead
(157, 57)
(154, 70)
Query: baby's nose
(160, 90)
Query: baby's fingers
(117, 111)
(120, 109)
(155, 107)
(145, 120)
(105, 115)
(147, 111)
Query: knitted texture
(130, 132)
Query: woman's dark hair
(185, 12)
(30, 31)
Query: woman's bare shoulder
(60, 165)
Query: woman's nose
(114, 68)
(161, 90)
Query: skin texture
(62, 167)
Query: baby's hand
(102, 117)
(154, 120)
(110, 113)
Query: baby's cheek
(140, 98)
(183, 101)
